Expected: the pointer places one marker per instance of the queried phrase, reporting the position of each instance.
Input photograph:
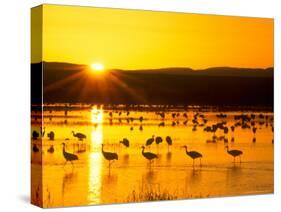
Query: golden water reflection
(90, 181)
(95, 157)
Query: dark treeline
(215, 86)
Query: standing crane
(110, 156)
(193, 154)
(148, 155)
(125, 142)
(68, 156)
(35, 135)
(169, 142)
(51, 135)
(79, 135)
(149, 141)
(35, 148)
(158, 140)
(254, 129)
(234, 153)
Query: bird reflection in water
(126, 158)
(169, 156)
(69, 178)
(149, 176)
(193, 177)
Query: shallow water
(131, 178)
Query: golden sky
(130, 39)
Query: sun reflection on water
(95, 157)
(97, 115)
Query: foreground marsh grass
(154, 192)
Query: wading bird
(79, 135)
(51, 135)
(110, 156)
(148, 155)
(234, 153)
(149, 141)
(35, 148)
(68, 156)
(162, 124)
(169, 142)
(193, 154)
(254, 129)
(158, 140)
(35, 135)
(125, 142)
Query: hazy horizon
(163, 67)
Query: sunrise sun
(97, 67)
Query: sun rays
(93, 85)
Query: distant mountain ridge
(212, 71)
(65, 82)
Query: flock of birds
(252, 122)
(198, 120)
(111, 156)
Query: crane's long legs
(193, 163)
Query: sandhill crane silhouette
(110, 156)
(68, 156)
(148, 155)
(35, 135)
(254, 129)
(169, 142)
(150, 141)
(79, 135)
(158, 140)
(51, 135)
(35, 148)
(162, 124)
(193, 154)
(125, 142)
(234, 153)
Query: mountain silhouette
(221, 86)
